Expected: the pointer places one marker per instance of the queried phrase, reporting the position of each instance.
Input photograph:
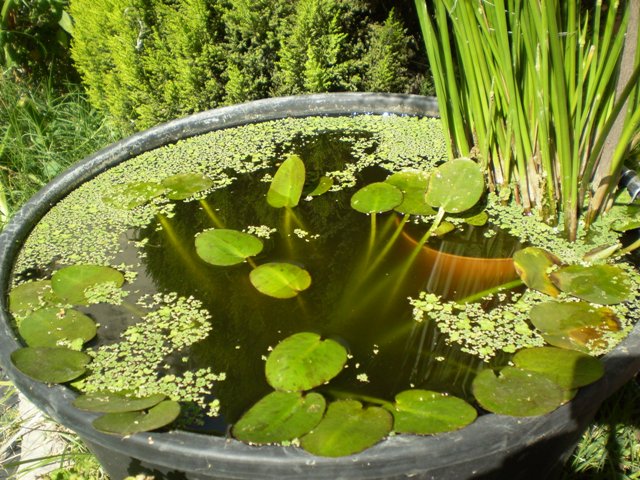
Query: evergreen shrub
(148, 61)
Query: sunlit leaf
(304, 361)
(225, 247)
(573, 325)
(30, 296)
(324, 185)
(50, 364)
(568, 368)
(70, 283)
(48, 326)
(534, 265)
(128, 423)
(279, 417)
(424, 412)
(456, 185)
(134, 195)
(603, 284)
(413, 185)
(517, 392)
(376, 198)
(109, 402)
(280, 280)
(478, 220)
(444, 228)
(185, 185)
(347, 428)
(288, 181)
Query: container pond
(292, 287)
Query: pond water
(363, 272)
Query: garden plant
(231, 229)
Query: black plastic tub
(493, 446)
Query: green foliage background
(147, 61)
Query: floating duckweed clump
(287, 280)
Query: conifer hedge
(148, 61)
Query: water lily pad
(603, 284)
(288, 181)
(533, 265)
(478, 220)
(48, 326)
(455, 186)
(70, 283)
(280, 280)
(110, 402)
(376, 197)
(572, 325)
(347, 428)
(30, 296)
(185, 185)
(568, 368)
(424, 412)
(50, 364)
(444, 228)
(304, 361)
(128, 423)
(413, 185)
(279, 417)
(324, 185)
(134, 195)
(225, 247)
(517, 392)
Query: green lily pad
(70, 283)
(568, 368)
(573, 325)
(424, 412)
(134, 195)
(517, 392)
(280, 280)
(478, 220)
(324, 185)
(279, 417)
(376, 197)
(455, 186)
(185, 185)
(413, 185)
(224, 247)
(347, 428)
(30, 296)
(304, 361)
(444, 228)
(288, 181)
(128, 423)
(50, 364)
(110, 402)
(602, 284)
(533, 265)
(48, 326)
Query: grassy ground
(43, 131)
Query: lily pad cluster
(55, 332)
(294, 412)
(540, 380)
(126, 415)
(226, 247)
(452, 188)
(51, 328)
(174, 187)
(581, 320)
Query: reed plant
(544, 93)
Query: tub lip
(395, 456)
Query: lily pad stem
(342, 395)
(251, 262)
